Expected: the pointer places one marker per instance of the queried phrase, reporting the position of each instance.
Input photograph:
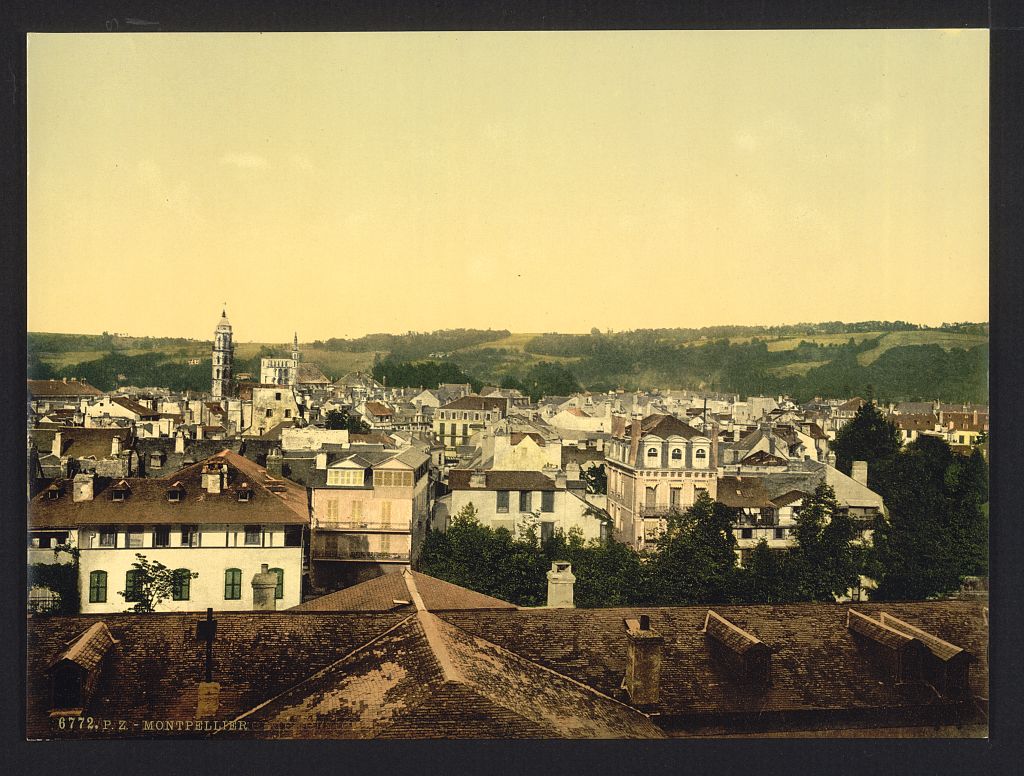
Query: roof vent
(898, 654)
(945, 666)
(743, 655)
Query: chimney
(560, 479)
(199, 431)
(115, 446)
(572, 471)
(179, 442)
(478, 479)
(634, 438)
(714, 443)
(58, 444)
(275, 462)
(860, 472)
(212, 482)
(644, 649)
(975, 419)
(560, 585)
(321, 461)
(82, 487)
(264, 585)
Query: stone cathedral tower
(223, 355)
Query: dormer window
(53, 493)
(119, 494)
(244, 493)
(175, 493)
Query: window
(675, 497)
(243, 494)
(98, 587)
(270, 413)
(547, 531)
(277, 396)
(118, 494)
(441, 426)
(132, 586)
(385, 514)
(174, 496)
(332, 508)
(502, 501)
(253, 536)
(389, 478)
(287, 413)
(107, 537)
(190, 536)
(162, 536)
(677, 454)
(53, 494)
(181, 585)
(547, 501)
(232, 585)
(747, 533)
(279, 590)
(780, 533)
(345, 477)
(156, 461)
(525, 501)
(700, 453)
(135, 537)
(652, 452)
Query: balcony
(661, 510)
(375, 526)
(365, 556)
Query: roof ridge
(428, 622)
(323, 671)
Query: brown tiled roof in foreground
(42, 389)
(381, 594)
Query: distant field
(946, 340)
(58, 360)
(790, 343)
(514, 341)
(798, 368)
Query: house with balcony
(369, 513)
(656, 464)
(223, 517)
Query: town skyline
(508, 177)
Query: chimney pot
(264, 587)
(560, 585)
(644, 648)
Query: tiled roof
(43, 389)
(380, 594)
(133, 406)
(81, 442)
(816, 665)
(742, 492)
(378, 409)
(154, 671)
(307, 373)
(483, 403)
(147, 503)
(458, 479)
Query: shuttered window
(98, 587)
(232, 584)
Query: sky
(338, 184)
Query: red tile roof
(44, 389)
(381, 594)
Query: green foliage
(868, 436)
(417, 345)
(823, 565)
(767, 577)
(426, 374)
(342, 420)
(695, 562)
(154, 583)
(936, 532)
(62, 579)
(596, 478)
(608, 574)
(544, 379)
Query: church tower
(295, 348)
(223, 354)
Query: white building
(222, 517)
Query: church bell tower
(223, 355)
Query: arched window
(232, 584)
(677, 454)
(652, 452)
(181, 585)
(701, 453)
(279, 590)
(98, 587)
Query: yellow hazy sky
(339, 184)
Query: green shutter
(182, 586)
(279, 590)
(131, 586)
(98, 587)
(232, 585)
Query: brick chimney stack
(644, 649)
(264, 586)
(560, 585)
(58, 444)
(859, 472)
(634, 438)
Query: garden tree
(342, 420)
(596, 479)
(472, 555)
(936, 532)
(823, 564)
(868, 436)
(153, 583)
(766, 577)
(695, 561)
(607, 574)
